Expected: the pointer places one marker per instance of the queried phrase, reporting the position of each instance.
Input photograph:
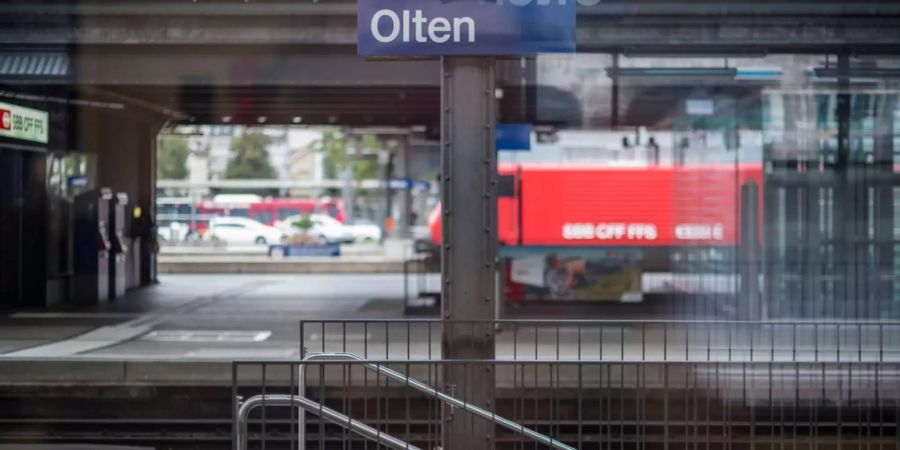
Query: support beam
(387, 172)
(405, 197)
(469, 168)
(145, 233)
(11, 244)
(845, 209)
(347, 193)
(884, 130)
(750, 254)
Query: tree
(250, 158)
(303, 226)
(334, 146)
(171, 158)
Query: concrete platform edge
(99, 371)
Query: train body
(601, 233)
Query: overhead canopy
(295, 61)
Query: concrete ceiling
(212, 60)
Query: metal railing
(602, 405)
(598, 384)
(615, 340)
(292, 400)
(343, 420)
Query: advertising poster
(590, 275)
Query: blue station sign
(465, 27)
(513, 137)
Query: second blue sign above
(465, 27)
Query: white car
(324, 227)
(241, 230)
(174, 232)
(365, 230)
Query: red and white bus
(266, 210)
(269, 211)
(185, 211)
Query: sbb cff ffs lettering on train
(612, 233)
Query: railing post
(469, 241)
(749, 254)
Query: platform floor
(201, 323)
(201, 316)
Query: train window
(284, 213)
(506, 185)
(263, 217)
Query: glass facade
(777, 168)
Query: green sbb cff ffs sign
(26, 124)
(466, 27)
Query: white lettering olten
(395, 28)
(439, 25)
(414, 25)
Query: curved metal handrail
(427, 390)
(316, 408)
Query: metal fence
(606, 385)
(581, 404)
(614, 340)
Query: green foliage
(250, 158)
(171, 158)
(305, 223)
(366, 168)
(335, 146)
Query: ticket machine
(92, 246)
(120, 245)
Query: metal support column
(614, 95)
(844, 208)
(145, 260)
(469, 249)
(405, 197)
(347, 193)
(11, 224)
(387, 173)
(750, 253)
(883, 284)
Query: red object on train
(584, 205)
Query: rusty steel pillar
(469, 167)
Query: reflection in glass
(770, 180)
